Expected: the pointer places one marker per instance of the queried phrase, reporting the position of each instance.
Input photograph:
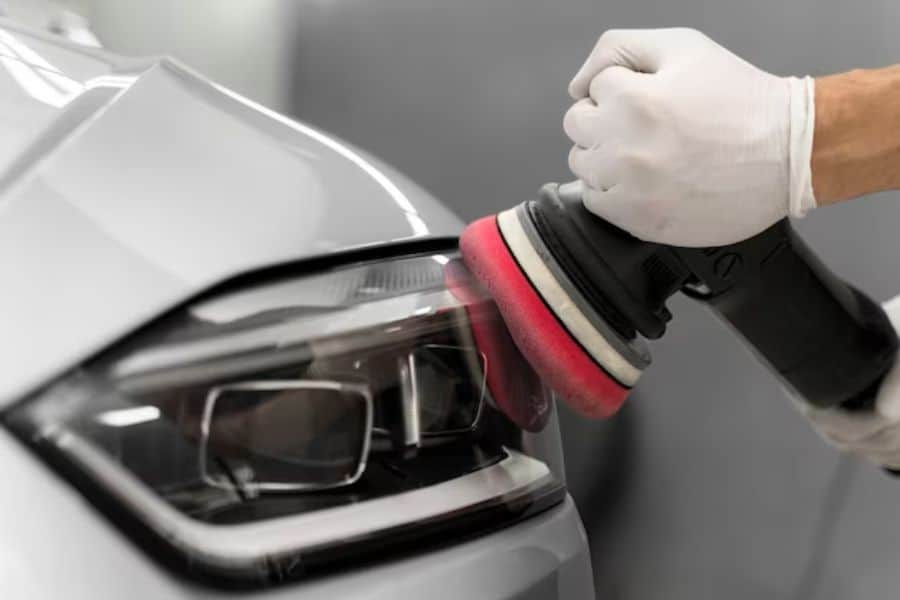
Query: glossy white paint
(128, 186)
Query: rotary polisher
(581, 297)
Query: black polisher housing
(825, 339)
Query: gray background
(707, 484)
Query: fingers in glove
(625, 122)
(583, 123)
(593, 166)
(892, 308)
(884, 440)
(888, 459)
(887, 404)
(618, 205)
(640, 50)
(615, 83)
(845, 428)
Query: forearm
(856, 145)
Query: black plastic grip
(825, 339)
(828, 341)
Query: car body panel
(133, 185)
(128, 186)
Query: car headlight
(287, 424)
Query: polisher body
(581, 296)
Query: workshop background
(707, 484)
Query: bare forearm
(856, 146)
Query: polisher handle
(823, 337)
(826, 340)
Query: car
(243, 356)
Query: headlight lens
(280, 420)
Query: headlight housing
(294, 423)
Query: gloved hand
(874, 435)
(679, 141)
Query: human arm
(856, 146)
(680, 141)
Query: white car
(240, 354)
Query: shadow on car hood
(132, 186)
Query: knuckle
(581, 165)
(572, 121)
(574, 160)
(644, 101)
(597, 87)
(594, 202)
(637, 97)
(609, 37)
(591, 199)
(688, 33)
(592, 179)
(607, 83)
(695, 36)
(632, 96)
(634, 162)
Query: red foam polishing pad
(513, 384)
(542, 339)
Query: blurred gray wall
(708, 485)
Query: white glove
(679, 141)
(874, 435)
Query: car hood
(129, 186)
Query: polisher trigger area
(582, 366)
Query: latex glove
(679, 141)
(874, 435)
